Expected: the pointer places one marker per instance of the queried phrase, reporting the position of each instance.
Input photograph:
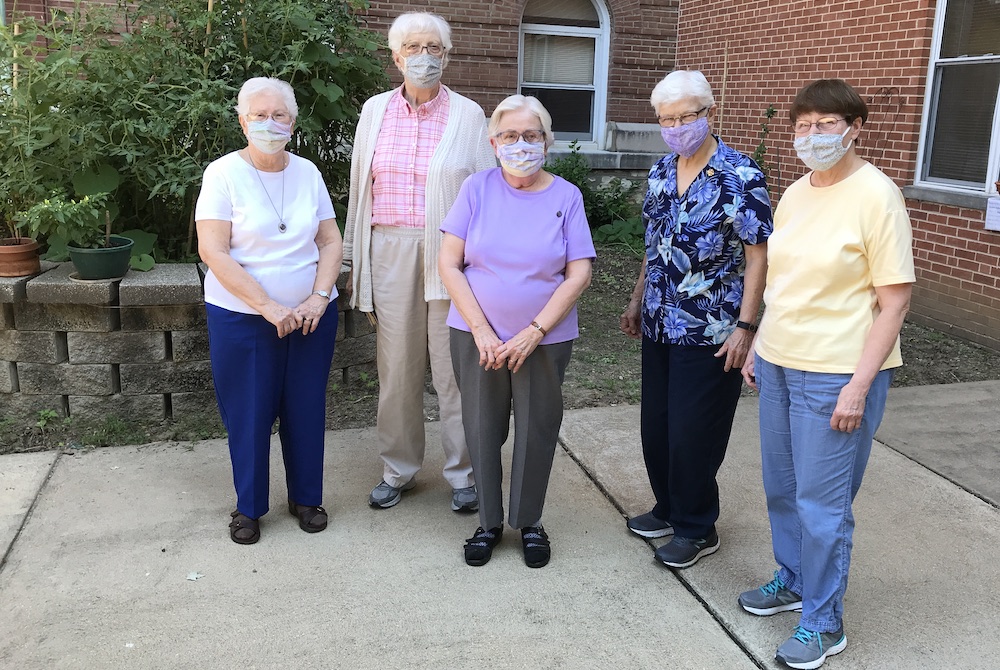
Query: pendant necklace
(281, 215)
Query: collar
(429, 107)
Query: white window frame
(601, 58)
(927, 118)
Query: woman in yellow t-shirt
(840, 271)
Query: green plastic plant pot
(104, 263)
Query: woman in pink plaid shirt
(413, 148)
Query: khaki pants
(411, 329)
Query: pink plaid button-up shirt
(406, 142)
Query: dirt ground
(604, 371)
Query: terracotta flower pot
(19, 257)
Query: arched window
(564, 63)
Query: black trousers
(688, 405)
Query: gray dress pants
(535, 393)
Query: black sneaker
(479, 547)
(535, 543)
(647, 525)
(683, 552)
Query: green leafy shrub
(146, 91)
(613, 210)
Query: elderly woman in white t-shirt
(267, 232)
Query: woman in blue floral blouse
(708, 217)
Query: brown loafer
(243, 529)
(311, 519)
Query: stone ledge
(166, 284)
(946, 197)
(12, 289)
(612, 160)
(55, 286)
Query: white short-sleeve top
(256, 203)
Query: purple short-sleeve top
(517, 245)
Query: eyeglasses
(690, 117)
(529, 136)
(413, 48)
(280, 117)
(823, 125)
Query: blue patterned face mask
(821, 152)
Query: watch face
(322, 294)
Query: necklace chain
(281, 215)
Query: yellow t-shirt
(830, 248)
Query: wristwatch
(746, 326)
(322, 294)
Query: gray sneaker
(647, 525)
(806, 649)
(683, 552)
(771, 598)
(465, 500)
(384, 496)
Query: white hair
(514, 103)
(418, 22)
(680, 85)
(253, 87)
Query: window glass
(562, 12)
(556, 59)
(971, 28)
(963, 121)
(571, 111)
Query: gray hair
(514, 103)
(418, 22)
(682, 84)
(253, 87)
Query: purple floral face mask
(686, 139)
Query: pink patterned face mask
(686, 139)
(522, 159)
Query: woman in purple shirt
(515, 257)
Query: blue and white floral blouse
(694, 246)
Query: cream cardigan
(464, 149)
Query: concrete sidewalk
(120, 558)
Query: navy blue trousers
(260, 377)
(688, 405)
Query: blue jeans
(811, 475)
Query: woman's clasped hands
(306, 316)
(495, 353)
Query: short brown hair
(834, 96)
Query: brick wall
(759, 53)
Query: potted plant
(18, 255)
(80, 227)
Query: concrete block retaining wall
(137, 348)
